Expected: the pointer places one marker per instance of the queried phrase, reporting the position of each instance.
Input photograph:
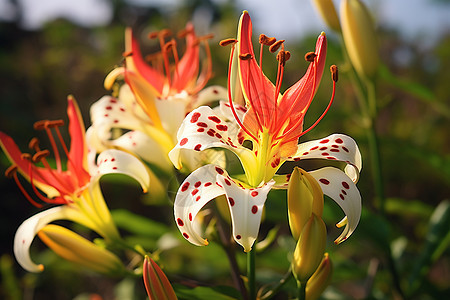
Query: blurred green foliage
(38, 69)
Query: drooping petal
(246, 207)
(196, 191)
(333, 147)
(339, 187)
(114, 161)
(29, 228)
(202, 129)
(208, 95)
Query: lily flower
(155, 98)
(264, 134)
(74, 185)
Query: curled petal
(199, 188)
(115, 161)
(246, 207)
(338, 147)
(338, 186)
(30, 227)
(203, 129)
(208, 95)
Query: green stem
(251, 275)
(301, 291)
(269, 294)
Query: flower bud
(79, 250)
(328, 13)
(304, 198)
(320, 279)
(359, 37)
(310, 249)
(156, 283)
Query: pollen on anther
(310, 56)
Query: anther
(26, 156)
(40, 155)
(245, 56)
(265, 40)
(310, 56)
(183, 33)
(165, 33)
(39, 125)
(54, 123)
(169, 45)
(153, 35)
(11, 171)
(334, 73)
(127, 53)
(34, 144)
(283, 57)
(275, 46)
(153, 56)
(206, 37)
(227, 42)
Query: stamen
(310, 56)
(334, 73)
(265, 40)
(206, 72)
(39, 125)
(245, 56)
(39, 156)
(34, 144)
(153, 35)
(47, 126)
(11, 172)
(227, 42)
(55, 123)
(283, 57)
(183, 33)
(26, 156)
(275, 46)
(127, 54)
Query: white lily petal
(225, 111)
(198, 189)
(334, 147)
(143, 146)
(338, 186)
(172, 111)
(126, 96)
(208, 95)
(30, 227)
(246, 207)
(116, 161)
(202, 129)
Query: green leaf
(206, 293)
(437, 240)
(137, 224)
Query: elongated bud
(328, 13)
(320, 279)
(359, 37)
(79, 250)
(304, 198)
(310, 249)
(156, 283)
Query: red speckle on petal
(114, 168)
(219, 136)
(208, 184)
(331, 157)
(116, 121)
(254, 194)
(214, 119)
(341, 196)
(201, 124)
(219, 170)
(190, 217)
(185, 186)
(339, 141)
(335, 146)
(296, 158)
(195, 117)
(197, 147)
(314, 148)
(345, 184)
(194, 191)
(198, 198)
(200, 129)
(113, 100)
(343, 192)
(183, 141)
(238, 237)
(305, 153)
(345, 149)
(254, 209)
(106, 115)
(334, 150)
(108, 107)
(211, 132)
(227, 182)
(222, 127)
(186, 235)
(323, 148)
(325, 154)
(324, 141)
(180, 222)
(122, 109)
(324, 181)
(231, 200)
(197, 184)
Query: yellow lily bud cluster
(311, 266)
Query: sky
(281, 18)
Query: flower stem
(251, 274)
(301, 291)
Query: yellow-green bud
(79, 250)
(320, 279)
(156, 283)
(359, 37)
(310, 249)
(304, 198)
(328, 13)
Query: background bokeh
(50, 49)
